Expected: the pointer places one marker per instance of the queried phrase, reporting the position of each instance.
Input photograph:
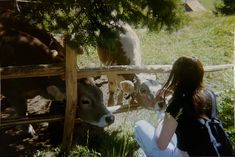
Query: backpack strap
(213, 98)
(212, 138)
(213, 119)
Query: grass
(207, 37)
(209, 4)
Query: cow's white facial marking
(105, 120)
(127, 86)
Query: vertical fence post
(71, 98)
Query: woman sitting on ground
(189, 100)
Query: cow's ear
(56, 93)
(127, 86)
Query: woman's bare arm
(167, 131)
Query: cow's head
(91, 108)
(145, 91)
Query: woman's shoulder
(175, 107)
(178, 101)
(185, 104)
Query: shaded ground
(16, 141)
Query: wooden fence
(70, 72)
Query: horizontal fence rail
(32, 71)
(4, 123)
(58, 69)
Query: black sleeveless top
(191, 137)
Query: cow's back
(126, 49)
(23, 44)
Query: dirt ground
(16, 141)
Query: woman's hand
(160, 102)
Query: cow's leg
(112, 85)
(120, 97)
(111, 93)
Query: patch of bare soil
(16, 140)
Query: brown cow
(21, 46)
(127, 52)
(141, 87)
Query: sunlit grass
(209, 4)
(207, 37)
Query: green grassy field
(209, 4)
(207, 37)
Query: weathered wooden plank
(71, 97)
(30, 120)
(52, 118)
(53, 70)
(123, 69)
(32, 71)
(221, 67)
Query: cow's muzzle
(109, 119)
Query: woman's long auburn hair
(186, 80)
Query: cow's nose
(110, 119)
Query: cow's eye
(85, 101)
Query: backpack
(219, 138)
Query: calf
(145, 89)
(127, 52)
